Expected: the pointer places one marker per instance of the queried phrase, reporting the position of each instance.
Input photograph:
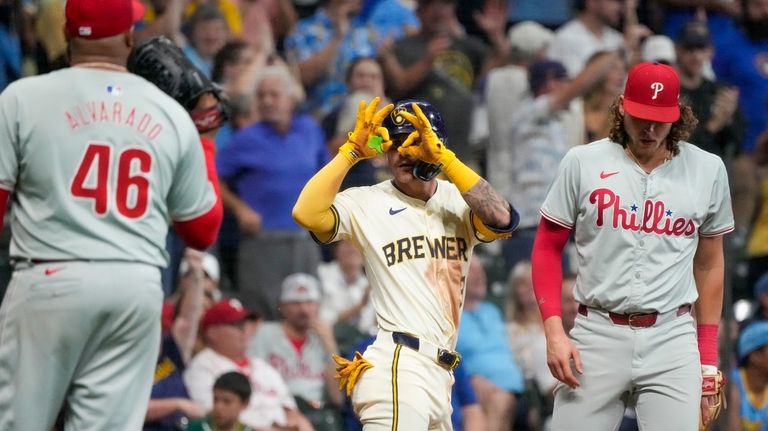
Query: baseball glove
(164, 64)
(713, 386)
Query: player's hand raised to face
(424, 144)
(369, 139)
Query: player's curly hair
(680, 131)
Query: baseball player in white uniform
(417, 235)
(648, 212)
(96, 161)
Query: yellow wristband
(460, 174)
(349, 152)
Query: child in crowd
(231, 394)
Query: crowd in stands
(249, 327)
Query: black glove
(164, 64)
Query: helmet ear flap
(425, 171)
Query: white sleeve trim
(196, 214)
(555, 220)
(724, 231)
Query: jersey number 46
(126, 181)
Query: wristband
(707, 338)
(460, 174)
(349, 152)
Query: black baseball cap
(694, 34)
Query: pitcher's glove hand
(369, 139)
(712, 396)
(424, 144)
(161, 62)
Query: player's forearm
(709, 274)
(313, 207)
(710, 302)
(484, 201)
(547, 270)
(185, 324)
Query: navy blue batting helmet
(399, 128)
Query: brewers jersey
(416, 255)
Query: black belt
(445, 358)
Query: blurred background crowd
(250, 325)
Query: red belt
(635, 320)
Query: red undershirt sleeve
(4, 194)
(201, 232)
(546, 267)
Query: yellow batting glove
(369, 138)
(425, 145)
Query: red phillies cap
(652, 93)
(97, 19)
(225, 312)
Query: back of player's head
(98, 19)
(234, 382)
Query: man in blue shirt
(263, 170)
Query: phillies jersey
(416, 255)
(633, 230)
(100, 178)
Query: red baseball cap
(97, 19)
(225, 312)
(652, 93)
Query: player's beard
(757, 30)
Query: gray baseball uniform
(636, 235)
(98, 162)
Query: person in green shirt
(231, 394)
